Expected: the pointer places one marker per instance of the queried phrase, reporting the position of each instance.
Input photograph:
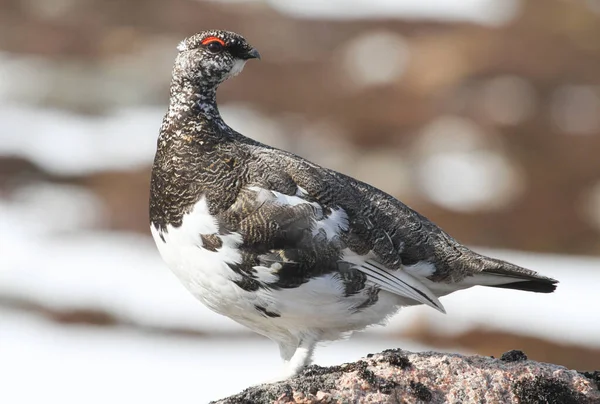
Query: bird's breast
(201, 256)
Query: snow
(479, 11)
(118, 273)
(46, 362)
(64, 143)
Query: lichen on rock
(396, 376)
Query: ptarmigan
(294, 251)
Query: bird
(296, 252)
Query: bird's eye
(214, 47)
(214, 44)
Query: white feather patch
(421, 269)
(267, 274)
(290, 200)
(238, 66)
(334, 223)
(266, 195)
(199, 221)
(203, 272)
(301, 192)
(182, 46)
(331, 225)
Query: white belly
(318, 304)
(202, 271)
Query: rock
(396, 376)
(513, 356)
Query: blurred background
(484, 115)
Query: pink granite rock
(397, 376)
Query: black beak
(251, 54)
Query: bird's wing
(286, 239)
(399, 281)
(289, 239)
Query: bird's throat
(189, 100)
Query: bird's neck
(192, 101)
(188, 148)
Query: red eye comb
(210, 39)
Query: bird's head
(210, 57)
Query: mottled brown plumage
(295, 251)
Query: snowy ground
(45, 362)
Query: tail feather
(538, 286)
(501, 274)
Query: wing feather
(398, 281)
(296, 239)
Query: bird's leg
(300, 359)
(286, 351)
